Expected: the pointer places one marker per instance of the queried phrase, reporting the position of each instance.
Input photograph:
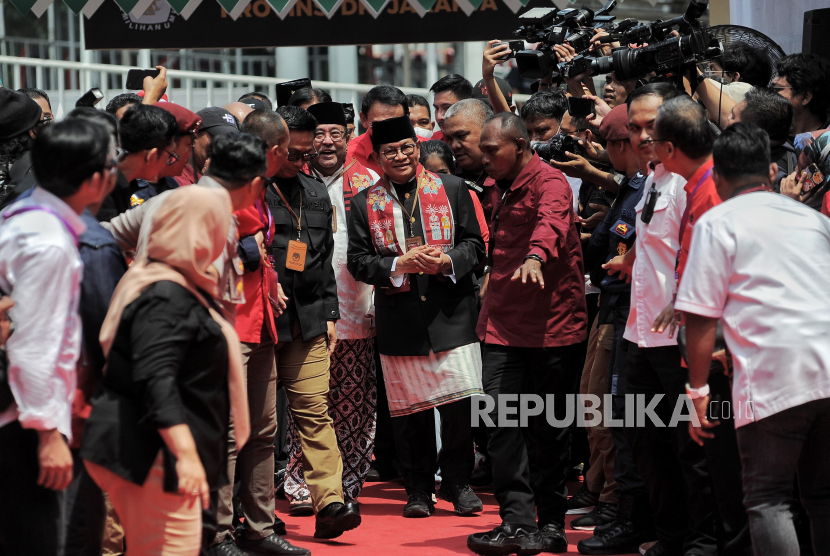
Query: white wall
(780, 20)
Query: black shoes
(553, 538)
(464, 500)
(506, 539)
(272, 544)
(335, 519)
(279, 526)
(419, 505)
(602, 514)
(225, 548)
(582, 502)
(625, 534)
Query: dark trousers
(85, 513)
(384, 450)
(724, 463)
(31, 517)
(540, 371)
(772, 450)
(418, 454)
(625, 470)
(673, 466)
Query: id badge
(295, 257)
(412, 242)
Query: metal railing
(195, 89)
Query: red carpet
(384, 532)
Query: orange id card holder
(295, 258)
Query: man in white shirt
(759, 263)
(676, 478)
(40, 268)
(352, 388)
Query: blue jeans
(772, 451)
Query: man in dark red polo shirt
(533, 318)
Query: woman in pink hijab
(156, 440)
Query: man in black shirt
(302, 251)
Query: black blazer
(168, 366)
(435, 313)
(312, 293)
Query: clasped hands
(425, 259)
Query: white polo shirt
(652, 280)
(760, 262)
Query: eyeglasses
(305, 157)
(45, 121)
(406, 150)
(172, 158)
(336, 136)
(651, 141)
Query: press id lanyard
(295, 257)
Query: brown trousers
(156, 523)
(256, 460)
(303, 369)
(600, 475)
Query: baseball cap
(188, 121)
(480, 90)
(255, 103)
(18, 113)
(614, 126)
(217, 121)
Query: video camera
(556, 147)
(550, 27)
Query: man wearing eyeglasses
(177, 157)
(302, 252)
(415, 237)
(352, 391)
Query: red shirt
(188, 177)
(702, 200)
(439, 136)
(536, 218)
(257, 308)
(825, 205)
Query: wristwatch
(697, 393)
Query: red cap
(614, 126)
(189, 122)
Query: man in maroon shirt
(533, 318)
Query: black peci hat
(392, 131)
(328, 113)
(18, 113)
(288, 88)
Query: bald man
(531, 332)
(240, 110)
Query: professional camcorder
(550, 27)
(670, 56)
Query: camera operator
(542, 114)
(741, 63)
(804, 80)
(774, 114)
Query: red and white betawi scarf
(386, 219)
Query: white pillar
(145, 61)
(292, 62)
(432, 64)
(343, 69)
(473, 55)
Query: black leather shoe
(506, 539)
(657, 549)
(464, 500)
(225, 548)
(273, 544)
(336, 518)
(583, 501)
(419, 505)
(553, 538)
(602, 514)
(279, 526)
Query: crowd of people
(260, 296)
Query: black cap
(18, 113)
(288, 88)
(392, 131)
(217, 121)
(255, 103)
(480, 91)
(328, 113)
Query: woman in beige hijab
(156, 440)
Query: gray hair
(476, 110)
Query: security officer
(614, 237)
